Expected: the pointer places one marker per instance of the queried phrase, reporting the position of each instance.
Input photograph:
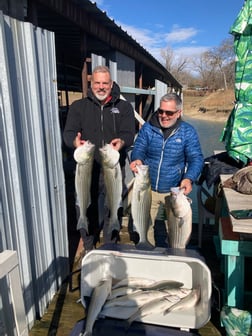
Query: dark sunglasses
(168, 113)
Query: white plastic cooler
(186, 266)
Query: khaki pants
(157, 212)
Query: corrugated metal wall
(33, 217)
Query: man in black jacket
(102, 118)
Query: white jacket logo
(115, 110)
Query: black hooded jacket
(101, 123)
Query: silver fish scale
(84, 156)
(113, 185)
(98, 298)
(141, 203)
(179, 215)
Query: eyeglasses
(168, 113)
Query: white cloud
(179, 34)
(154, 42)
(146, 38)
(191, 51)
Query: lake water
(209, 133)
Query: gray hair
(172, 96)
(101, 68)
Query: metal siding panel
(49, 105)
(33, 206)
(13, 227)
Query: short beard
(101, 97)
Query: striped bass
(187, 302)
(84, 156)
(180, 292)
(179, 216)
(134, 282)
(163, 284)
(147, 284)
(155, 306)
(98, 298)
(121, 291)
(135, 299)
(141, 205)
(113, 184)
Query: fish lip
(109, 161)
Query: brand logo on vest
(114, 110)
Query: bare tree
(213, 69)
(176, 65)
(168, 56)
(216, 63)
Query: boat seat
(206, 208)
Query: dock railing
(9, 269)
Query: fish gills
(179, 215)
(84, 156)
(98, 298)
(141, 205)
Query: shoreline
(207, 116)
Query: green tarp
(237, 133)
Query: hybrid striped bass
(180, 292)
(135, 299)
(141, 205)
(134, 282)
(113, 184)
(98, 298)
(179, 216)
(187, 302)
(84, 156)
(155, 306)
(147, 284)
(121, 291)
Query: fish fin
(126, 325)
(130, 320)
(134, 236)
(86, 333)
(115, 235)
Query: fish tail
(86, 333)
(127, 323)
(82, 224)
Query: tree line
(212, 70)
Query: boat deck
(65, 310)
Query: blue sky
(189, 27)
